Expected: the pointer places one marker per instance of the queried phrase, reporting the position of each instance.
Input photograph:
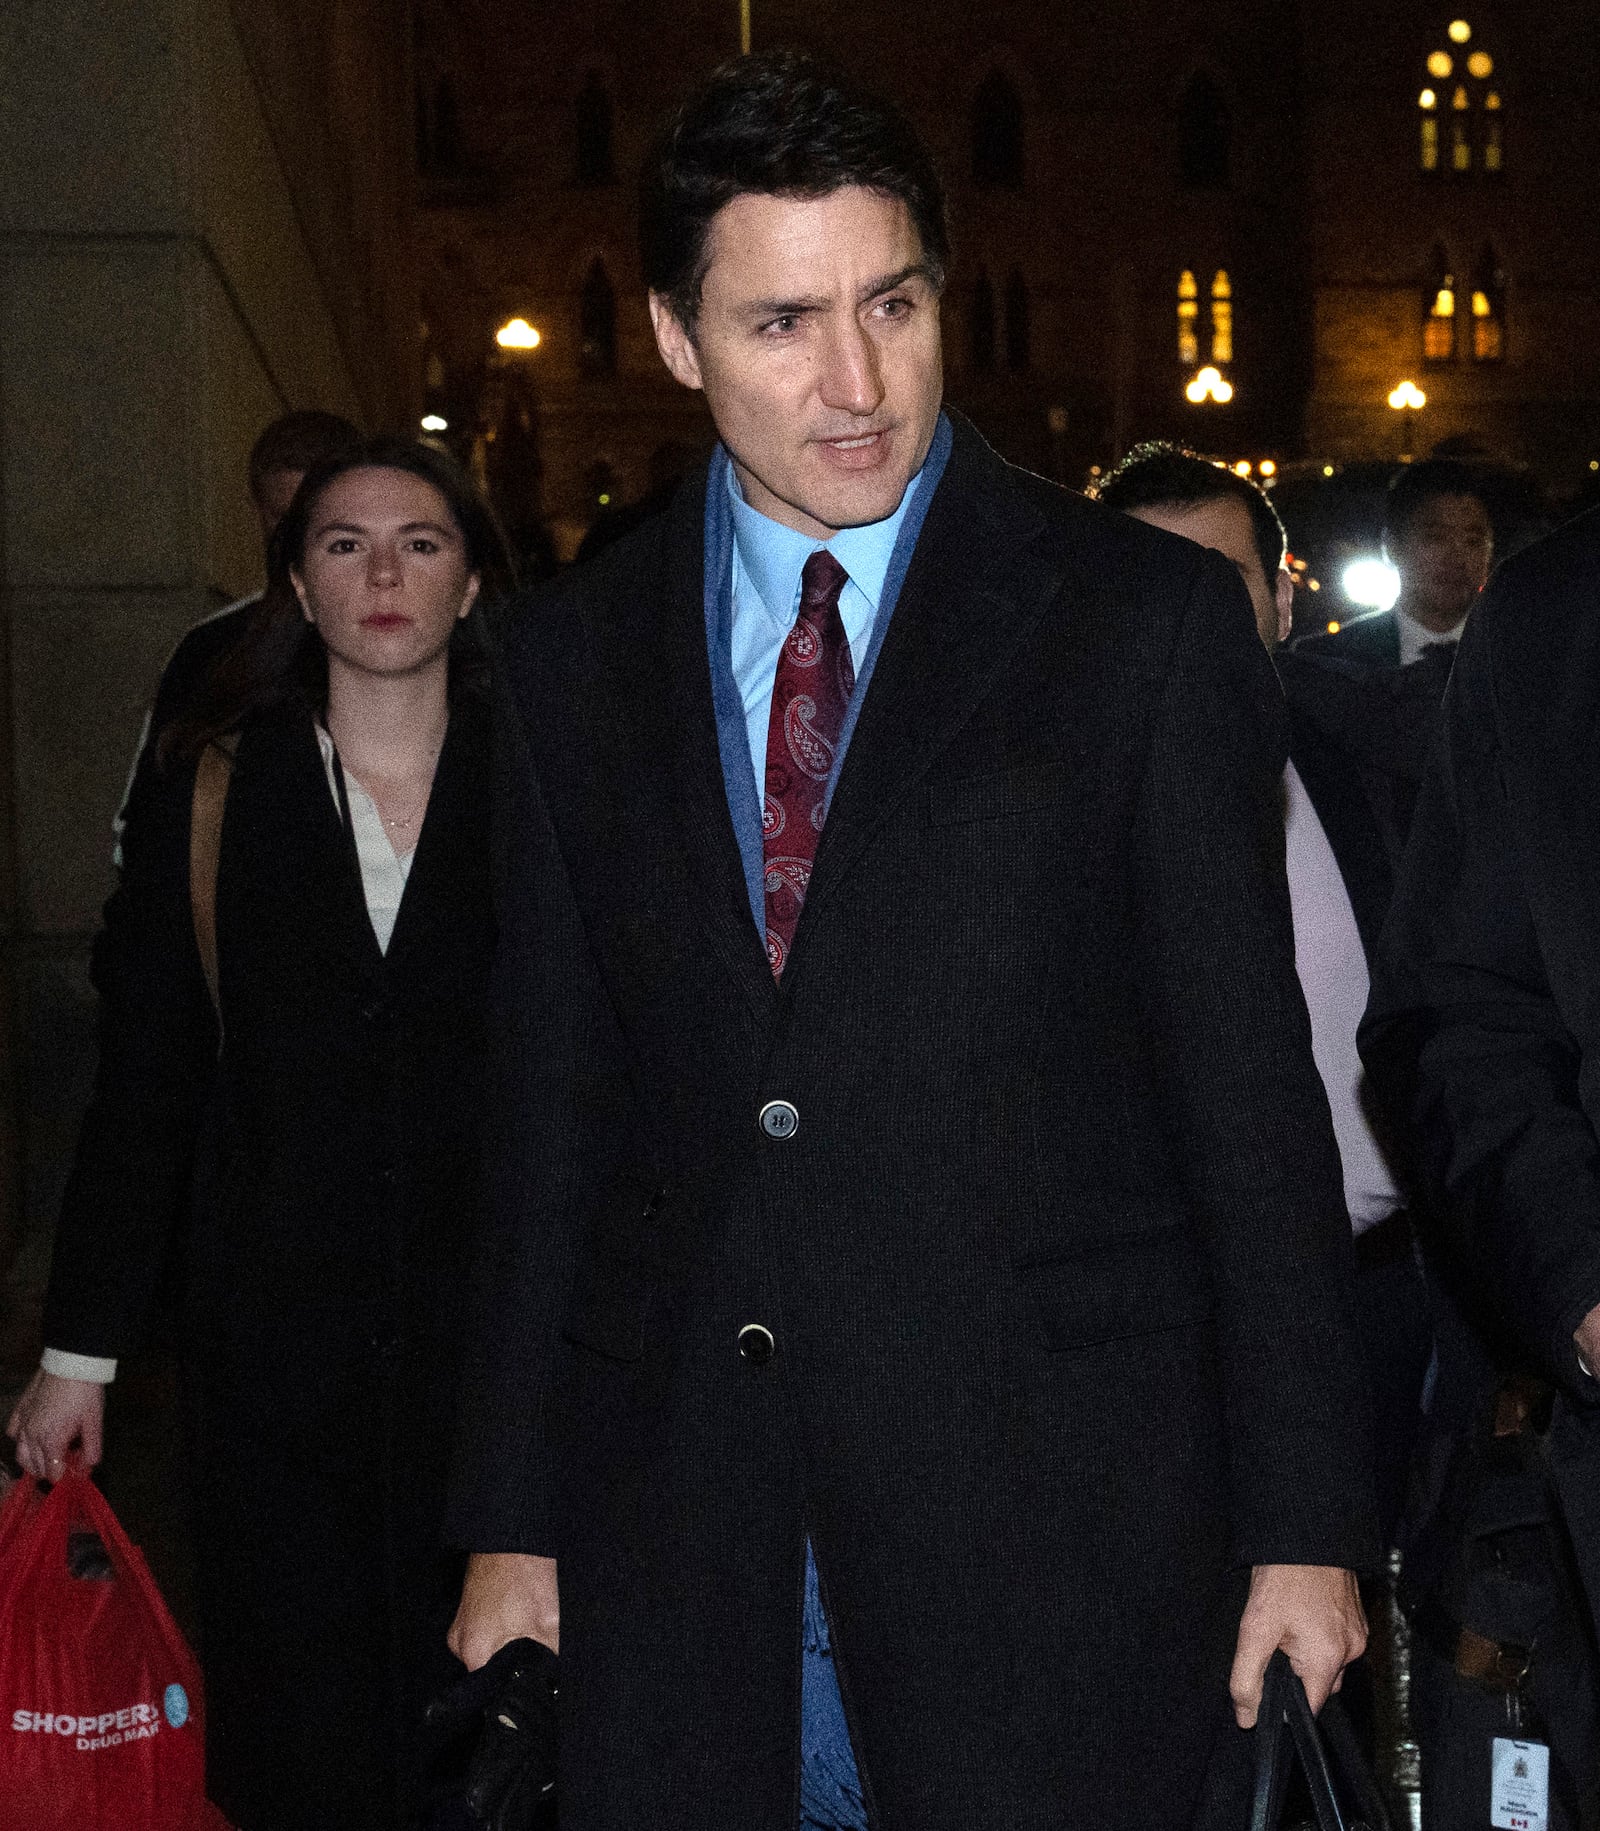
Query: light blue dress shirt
(768, 559)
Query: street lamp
(1406, 400)
(517, 334)
(1209, 385)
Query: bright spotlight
(1373, 583)
(431, 422)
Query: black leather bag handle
(1285, 1728)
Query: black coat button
(755, 1344)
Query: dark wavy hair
(780, 124)
(280, 657)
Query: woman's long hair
(280, 657)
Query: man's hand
(52, 1415)
(507, 1596)
(1313, 1612)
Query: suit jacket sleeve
(1252, 1132)
(135, 1161)
(557, 1130)
(1464, 1039)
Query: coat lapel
(976, 583)
(679, 725)
(453, 846)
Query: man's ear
(1283, 595)
(674, 342)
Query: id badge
(1519, 1786)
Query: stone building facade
(1271, 152)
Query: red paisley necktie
(814, 682)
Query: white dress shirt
(1415, 637)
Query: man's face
(1225, 525)
(1443, 554)
(817, 345)
(274, 492)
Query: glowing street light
(1209, 385)
(517, 334)
(1406, 400)
(432, 422)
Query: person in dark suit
(1438, 534)
(327, 1157)
(1483, 1037)
(1355, 748)
(915, 1318)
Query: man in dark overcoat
(914, 1323)
(1483, 1035)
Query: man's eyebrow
(914, 270)
(874, 289)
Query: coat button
(755, 1344)
(779, 1119)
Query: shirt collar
(773, 556)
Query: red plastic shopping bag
(101, 1717)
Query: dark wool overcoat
(1483, 1034)
(333, 1155)
(1055, 1262)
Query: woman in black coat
(327, 1157)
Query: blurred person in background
(1341, 852)
(1438, 534)
(1483, 1039)
(316, 1113)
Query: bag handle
(1286, 1723)
(212, 776)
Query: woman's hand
(51, 1417)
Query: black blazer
(1056, 1261)
(1484, 1027)
(328, 1164)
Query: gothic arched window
(1488, 309)
(1019, 334)
(1205, 136)
(1222, 318)
(1188, 320)
(597, 325)
(594, 164)
(997, 134)
(1439, 322)
(980, 325)
(1461, 113)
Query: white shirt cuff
(95, 1368)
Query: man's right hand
(507, 1596)
(51, 1417)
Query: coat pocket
(615, 1278)
(1139, 1284)
(994, 792)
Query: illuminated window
(1018, 330)
(593, 162)
(1428, 102)
(1188, 320)
(1221, 318)
(1205, 136)
(597, 325)
(1439, 323)
(997, 134)
(980, 327)
(1470, 136)
(1488, 309)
